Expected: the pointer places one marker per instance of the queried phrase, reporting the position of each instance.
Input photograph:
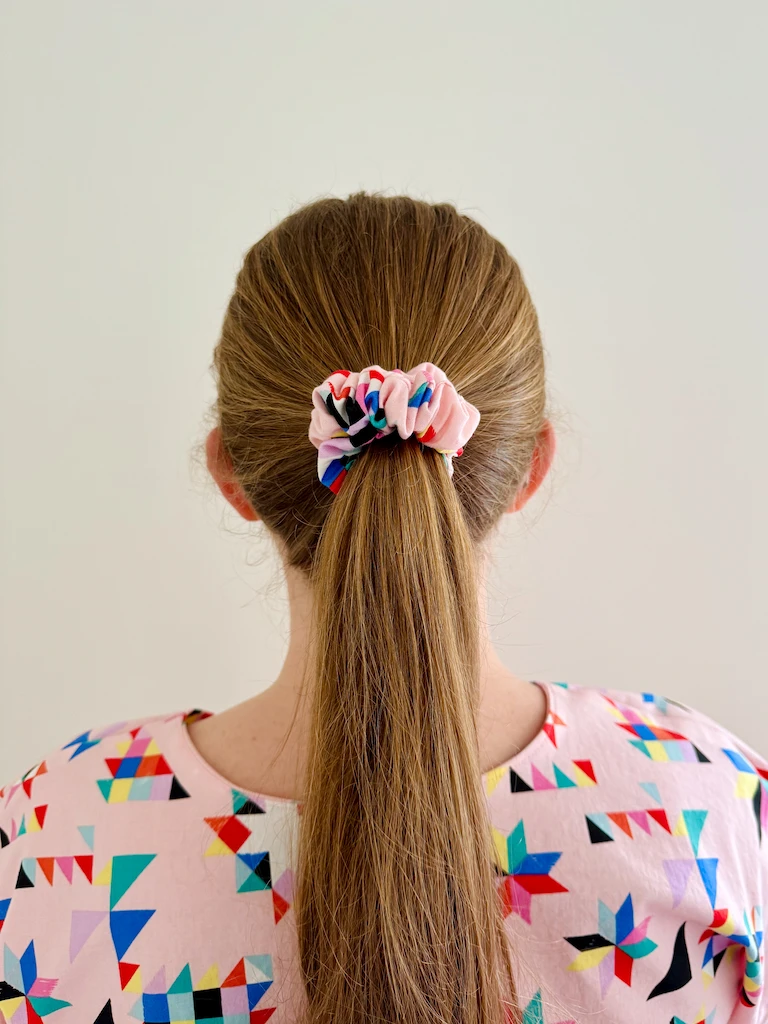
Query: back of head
(397, 911)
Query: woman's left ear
(220, 468)
(541, 460)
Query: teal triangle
(105, 785)
(137, 1010)
(43, 1005)
(562, 780)
(516, 847)
(246, 879)
(86, 831)
(640, 744)
(652, 790)
(238, 800)
(694, 823)
(183, 983)
(533, 1013)
(126, 868)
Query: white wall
(618, 149)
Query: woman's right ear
(220, 468)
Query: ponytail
(397, 912)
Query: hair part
(397, 910)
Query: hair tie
(350, 410)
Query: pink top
(136, 884)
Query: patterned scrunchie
(353, 409)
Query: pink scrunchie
(350, 410)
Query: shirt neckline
(550, 691)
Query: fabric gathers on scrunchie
(350, 410)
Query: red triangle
(32, 1016)
(113, 763)
(127, 971)
(163, 768)
(46, 866)
(85, 863)
(236, 976)
(40, 813)
(619, 818)
(134, 732)
(259, 1016)
(586, 767)
(281, 906)
(549, 729)
(660, 816)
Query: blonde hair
(397, 911)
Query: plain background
(619, 151)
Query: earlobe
(220, 468)
(541, 460)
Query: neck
(260, 744)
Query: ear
(220, 468)
(541, 460)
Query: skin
(260, 744)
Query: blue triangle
(708, 871)
(125, 925)
(255, 991)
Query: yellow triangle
(746, 784)
(218, 848)
(33, 825)
(9, 1006)
(707, 979)
(493, 778)
(680, 829)
(134, 985)
(152, 749)
(209, 980)
(656, 750)
(104, 877)
(122, 747)
(581, 777)
(500, 843)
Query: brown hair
(397, 910)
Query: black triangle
(4, 840)
(702, 757)
(517, 785)
(105, 1017)
(177, 790)
(596, 834)
(249, 807)
(24, 881)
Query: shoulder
(117, 762)
(657, 726)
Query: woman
(399, 828)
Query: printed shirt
(137, 884)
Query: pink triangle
(637, 934)
(157, 985)
(66, 864)
(640, 818)
(540, 781)
(84, 924)
(678, 872)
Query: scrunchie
(350, 410)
